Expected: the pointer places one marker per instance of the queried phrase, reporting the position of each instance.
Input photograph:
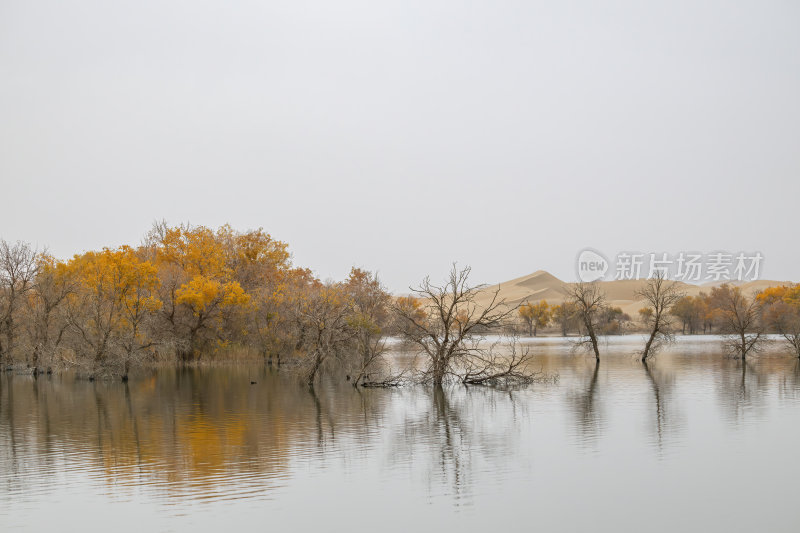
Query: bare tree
(446, 324)
(495, 365)
(660, 295)
(46, 318)
(324, 314)
(589, 301)
(739, 318)
(18, 266)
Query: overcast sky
(402, 136)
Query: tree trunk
(359, 376)
(593, 338)
(9, 349)
(744, 345)
(649, 344)
(312, 373)
(126, 368)
(35, 359)
(439, 370)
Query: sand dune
(542, 285)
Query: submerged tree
(324, 314)
(370, 316)
(343, 324)
(446, 324)
(589, 302)
(503, 363)
(660, 296)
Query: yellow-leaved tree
(781, 312)
(199, 290)
(113, 297)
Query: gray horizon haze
(404, 136)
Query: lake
(693, 441)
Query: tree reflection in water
(583, 403)
(207, 434)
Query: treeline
(776, 308)
(744, 320)
(564, 317)
(190, 293)
(186, 293)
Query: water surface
(691, 442)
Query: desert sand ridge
(542, 285)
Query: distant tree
(589, 302)
(565, 315)
(689, 309)
(613, 320)
(708, 314)
(624, 320)
(407, 309)
(739, 319)
(535, 316)
(782, 313)
(660, 295)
